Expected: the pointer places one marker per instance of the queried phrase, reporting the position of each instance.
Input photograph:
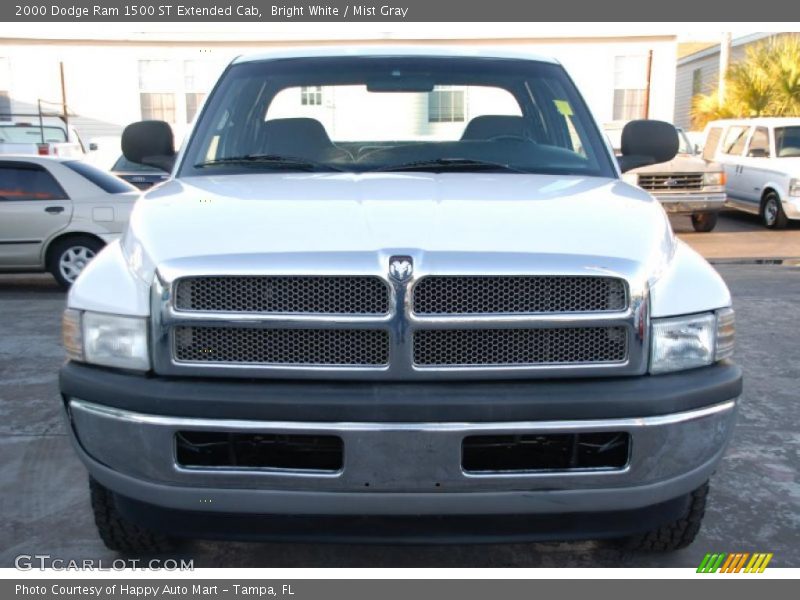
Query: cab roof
(396, 51)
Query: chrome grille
(518, 295)
(670, 182)
(254, 346)
(437, 326)
(303, 295)
(476, 347)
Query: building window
(445, 105)
(159, 107)
(193, 102)
(697, 81)
(157, 90)
(630, 87)
(311, 95)
(198, 77)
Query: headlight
(794, 187)
(714, 179)
(688, 342)
(103, 339)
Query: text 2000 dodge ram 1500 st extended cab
(405, 295)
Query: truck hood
(682, 163)
(587, 222)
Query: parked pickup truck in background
(48, 137)
(762, 160)
(686, 185)
(429, 310)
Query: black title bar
(397, 11)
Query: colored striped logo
(735, 563)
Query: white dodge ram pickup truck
(398, 295)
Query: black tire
(77, 246)
(119, 534)
(675, 535)
(704, 222)
(772, 215)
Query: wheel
(677, 534)
(68, 258)
(772, 212)
(120, 534)
(704, 222)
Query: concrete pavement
(740, 236)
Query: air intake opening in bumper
(545, 452)
(204, 449)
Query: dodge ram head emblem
(401, 267)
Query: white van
(761, 157)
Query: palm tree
(765, 84)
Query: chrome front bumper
(690, 203)
(398, 468)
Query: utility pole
(64, 110)
(724, 62)
(649, 84)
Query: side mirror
(697, 148)
(758, 153)
(149, 143)
(93, 147)
(647, 142)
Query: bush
(765, 84)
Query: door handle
(54, 210)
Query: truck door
(33, 207)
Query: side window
(25, 181)
(759, 143)
(712, 142)
(734, 140)
(105, 181)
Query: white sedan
(57, 213)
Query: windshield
(362, 114)
(30, 134)
(787, 141)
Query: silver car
(57, 213)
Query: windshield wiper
(272, 161)
(452, 164)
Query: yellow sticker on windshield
(563, 107)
